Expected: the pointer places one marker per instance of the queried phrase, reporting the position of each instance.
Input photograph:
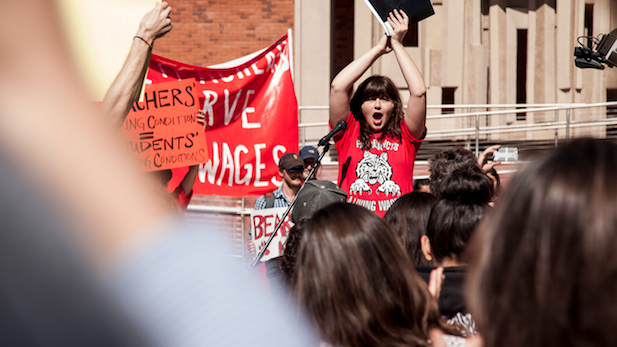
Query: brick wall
(208, 32)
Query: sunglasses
(295, 169)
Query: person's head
(421, 185)
(355, 281)
(314, 196)
(291, 169)
(310, 155)
(455, 216)
(377, 106)
(545, 261)
(408, 218)
(448, 161)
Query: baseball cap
(309, 152)
(289, 161)
(316, 195)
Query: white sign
(263, 223)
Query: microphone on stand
(340, 126)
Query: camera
(506, 154)
(603, 51)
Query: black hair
(408, 217)
(288, 259)
(494, 173)
(454, 217)
(448, 161)
(419, 183)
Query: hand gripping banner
(251, 118)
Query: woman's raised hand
(400, 23)
(384, 44)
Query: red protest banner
(251, 118)
(163, 131)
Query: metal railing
(471, 132)
(476, 131)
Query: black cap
(289, 161)
(316, 195)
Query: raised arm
(119, 98)
(415, 116)
(344, 80)
(189, 179)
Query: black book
(416, 10)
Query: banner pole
(280, 223)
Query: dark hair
(454, 217)
(544, 266)
(288, 259)
(497, 185)
(419, 183)
(358, 285)
(448, 161)
(377, 86)
(408, 218)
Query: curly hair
(448, 161)
(382, 87)
(288, 259)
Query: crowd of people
(112, 263)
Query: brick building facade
(209, 32)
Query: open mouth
(377, 117)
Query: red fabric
(182, 198)
(376, 178)
(251, 115)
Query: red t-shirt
(182, 198)
(375, 178)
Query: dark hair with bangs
(377, 86)
(355, 281)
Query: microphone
(340, 126)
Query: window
(411, 39)
(447, 98)
(521, 71)
(589, 23)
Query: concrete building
(470, 52)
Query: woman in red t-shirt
(382, 138)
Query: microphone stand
(280, 223)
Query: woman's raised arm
(415, 116)
(339, 96)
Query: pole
(477, 135)
(567, 124)
(280, 223)
(556, 130)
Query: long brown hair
(378, 86)
(356, 282)
(543, 268)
